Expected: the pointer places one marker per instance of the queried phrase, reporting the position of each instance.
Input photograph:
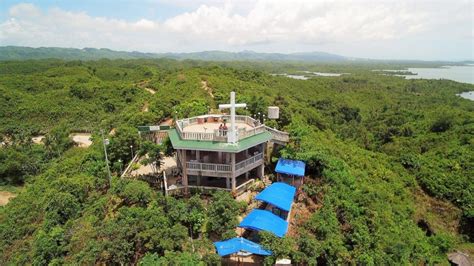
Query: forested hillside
(390, 163)
(25, 53)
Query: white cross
(232, 134)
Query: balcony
(224, 170)
(206, 128)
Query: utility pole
(106, 142)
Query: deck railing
(217, 135)
(224, 168)
(257, 128)
(243, 164)
(243, 187)
(278, 135)
(179, 190)
(209, 167)
(250, 132)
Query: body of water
(463, 74)
(324, 74)
(310, 75)
(301, 77)
(467, 95)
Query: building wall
(206, 177)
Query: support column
(261, 171)
(219, 156)
(185, 171)
(227, 182)
(234, 183)
(267, 152)
(198, 156)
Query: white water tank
(273, 112)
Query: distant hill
(23, 53)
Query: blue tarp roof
(238, 244)
(290, 167)
(261, 220)
(278, 194)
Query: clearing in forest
(144, 84)
(206, 87)
(145, 107)
(150, 90)
(82, 140)
(5, 197)
(38, 139)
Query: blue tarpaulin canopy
(261, 220)
(238, 244)
(290, 167)
(278, 194)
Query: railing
(197, 136)
(223, 168)
(242, 118)
(216, 135)
(208, 167)
(179, 190)
(129, 167)
(248, 161)
(278, 135)
(254, 131)
(243, 187)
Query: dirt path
(38, 139)
(152, 91)
(144, 84)
(167, 122)
(208, 89)
(145, 107)
(82, 140)
(5, 197)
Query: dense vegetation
(390, 163)
(22, 53)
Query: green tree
(57, 141)
(48, 246)
(123, 143)
(153, 154)
(222, 214)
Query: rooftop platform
(206, 127)
(198, 145)
(212, 125)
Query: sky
(383, 29)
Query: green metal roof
(203, 145)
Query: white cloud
(231, 25)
